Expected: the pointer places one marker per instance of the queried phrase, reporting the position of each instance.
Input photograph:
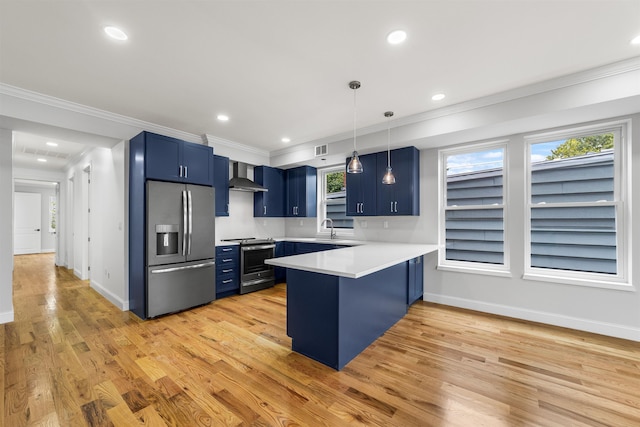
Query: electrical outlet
(301, 222)
(363, 224)
(385, 224)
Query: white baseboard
(603, 328)
(77, 273)
(6, 317)
(47, 251)
(113, 298)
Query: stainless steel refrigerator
(180, 247)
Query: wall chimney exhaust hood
(240, 182)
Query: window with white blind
(576, 205)
(473, 212)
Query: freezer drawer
(176, 287)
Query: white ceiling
(31, 147)
(281, 68)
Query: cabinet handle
(265, 209)
(391, 206)
(227, 249)
(180, 172)
(395, 207)
(227, 260)
(362, 207)
(228, 270)
(358, 207)
(227, 211)
(186, 172)
(227, 281)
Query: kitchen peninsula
(339, 301)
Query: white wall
(106, 225)
(241, 223)
(6, 226)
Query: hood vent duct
(240, 182)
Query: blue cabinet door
(197, 163)
(403, 197)
(170, 159)
(361, 187)
(269, 203)
(221, 183)
(301, 192)
(163, 157)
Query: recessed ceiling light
(52, 144)
(116, 33)
(636, 40)
(397, 37)
(438, 97)
(285, 139)
(42, 160)
(223, 117)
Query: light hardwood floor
(71, 358)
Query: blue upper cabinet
(171, 159)
(221, 183)
(301, 192)
(403, 197)
(361, 188)
(269, 203)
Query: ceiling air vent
(321, 150)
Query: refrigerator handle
(190, 220)
(184, 223)
(188, 267)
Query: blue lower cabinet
(332, 319)
(415, 279)
(227, 270)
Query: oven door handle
(254, 248)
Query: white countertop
(356, 261)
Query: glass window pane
(475, 235)
(475, 178)
(574, 238)
(335, 201)
(573, 170)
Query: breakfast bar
(340, 301)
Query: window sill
(475, 270)
(591, 283)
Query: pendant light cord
(389, 142)
(354, 119)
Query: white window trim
(622, 202)
(501, 270)
(323, 231)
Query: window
(333, 200)
(52, 214)
(472, 216)
(576, 205)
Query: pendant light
(388, 177)
(354, 165)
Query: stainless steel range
(254, 273)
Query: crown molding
(213, 141)
(605, 71)
(136, 124)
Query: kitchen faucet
(330, 221)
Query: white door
(27, 223)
